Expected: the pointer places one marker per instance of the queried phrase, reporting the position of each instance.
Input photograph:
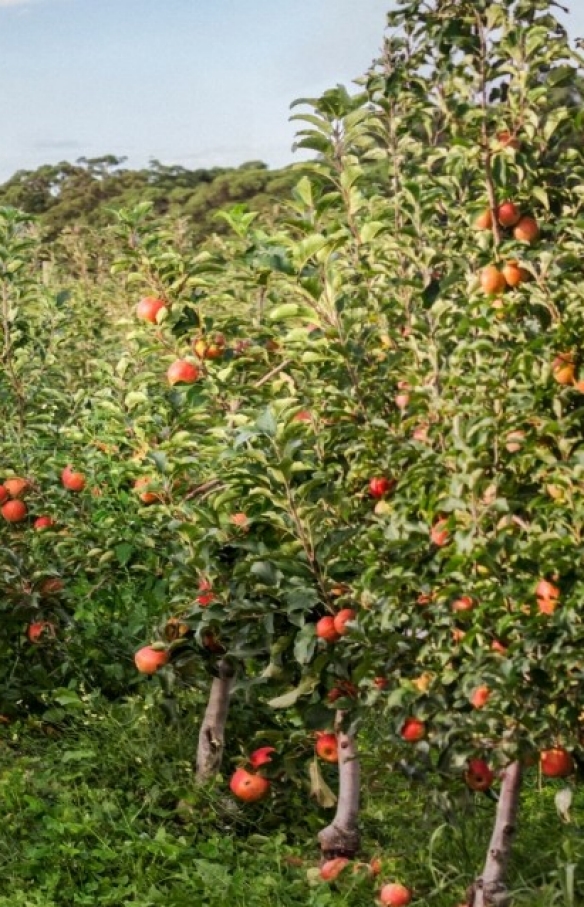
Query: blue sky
(191, 82)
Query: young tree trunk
(341, 838)
(212, 732)
(490, 890)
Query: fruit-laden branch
(490, 889)
(341, 838)
(212, 732)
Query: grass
(90, 817)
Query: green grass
(90, 817)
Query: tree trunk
(490, 890)
(341, 838)
(212, 732)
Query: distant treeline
(63, 195)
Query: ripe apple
(14, 511)
(149, 307)
(325, 629)
(548, 596)
(478, 775)
(484, 221)
(3, 494)
(439, 534)
(498, 647)
(16, 487)
(394, 894)
(248, 786)
(147, 497)
(148, 660)
(563, 369)
(332, 868)
(464, 603)
(492, 281)
(556, 762)
(381, 683)
(304, 415)
(206, 594)
(457, 635)
(480, 697)
(526, 230)
(43, 522)
(378, 486)
(182, 372)
(341, 619)
(413, 730)
(327, 747)
(508, 214)
(513, 274)
(71, 480)
(241, 520)
(261, 756)
(39, 630)
(343, 688)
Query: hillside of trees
(65, 195)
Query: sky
(198, 83)
(191, 82)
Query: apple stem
(341, 838)
(489, 890)
(212, 732)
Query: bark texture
(490, 889)
(341, 838)
(212, 733)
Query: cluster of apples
(182, 371)
(391, 894)
(248, 785)
(332, 627)
(525, 229)
(12, 491)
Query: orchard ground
(101, 809)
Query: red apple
(149, 307)
(556, 762)
(3, 494)
(330, 869)
(439, 534)
(16, 487)
(39, 630)
(182, 372)
(327, 747)
(43, 522)
(526, 230)
(71, 480)
(480, 697)
(478, 775)
(413, 730)
(261, 756)
(508, 214)
(341, 620)
(148, 660)
(325, 629)
(394, 894)
(248, 786)
(14, 511)
(464, 603)
(379, 486)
